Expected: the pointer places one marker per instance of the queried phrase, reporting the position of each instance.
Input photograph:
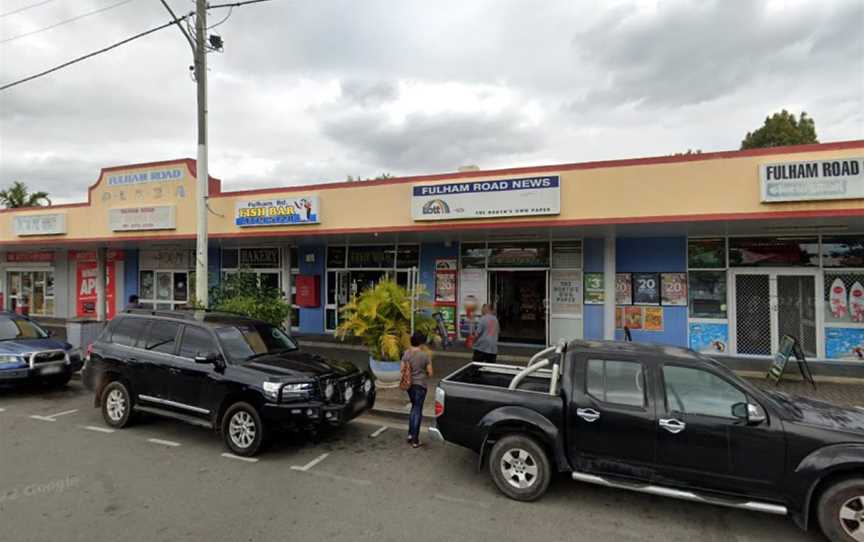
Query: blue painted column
(313, 262)
(592, 316)
(130, 273)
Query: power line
(25, 8)
(67, 21)
(90, 55)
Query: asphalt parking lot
(65, 476)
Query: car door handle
(174, 371)
(588, 414)
(672, 425)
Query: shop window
(32, 292)
(336, 257)
(230, 260)
(773, 252)
(707, 294)
(373, 256)
(473, 255)
(518, 255)
(843, 251)
(706, 253)
(407, 256)
(844, 298)
(567, 254)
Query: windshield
(244, 341)
(18, 328)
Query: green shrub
(241, 293)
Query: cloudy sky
(315, 90)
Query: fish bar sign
(838, 178)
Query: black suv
(237, 375)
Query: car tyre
(116, 405)
(243, 430)
(520, 467)
(841, 511)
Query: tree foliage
(781, 129)
(242, 293)
(381, 318)
(18, 195)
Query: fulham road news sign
(838, 178)
(530, 196)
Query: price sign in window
(646, 289)
(674, 288)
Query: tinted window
(619, 382)
(18, 328)
(694, 391)
(243, 341)
(162, 337)
(196, 342)
(126, 331)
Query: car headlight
(329, 390)
(271, 390)
(8, 359)
(367, 385)
(349, 393)
(298, 390)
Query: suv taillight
(89, 351)
(439, 401)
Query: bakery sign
(278, 212)
(47, 224)
(151, 217)
(529, 196)
(837, 178)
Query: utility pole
(202, 174)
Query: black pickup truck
(659, 420)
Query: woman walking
(417, 361)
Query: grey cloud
(368, 93)
(440, 142)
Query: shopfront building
(722, 252)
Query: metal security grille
(796, 310)
(753, 314)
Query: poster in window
(674, 289)
(709, 338)
(633, 317)
(623, 289)
(472, 284)
(594, 289)
(565, 288)
(86, 282)
(653, 319)
(619, 317)
(445, 281)
(646, 289)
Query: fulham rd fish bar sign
(278, 212)
(838, 178)
(532, 196)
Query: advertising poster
(844, 343)
(278, 212)
(472, 285)
(623, 289)
(594, 289)
(653, 319)
(565, 288)
(646, 289)
(633, 317)
(487, 199)
(445, 281)
(619, 317)
(709, 338)
(85, 300)
(448, 315)
(674, 287)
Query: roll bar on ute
(538, 362)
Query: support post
(609, 288)
(202, 175)
(101, 301)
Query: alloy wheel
(242, 429)
(519, 468)
(115, 405)
(852, 518)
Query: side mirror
(748, 412)
(214, 358)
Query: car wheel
(116, 405)
(841, 511)
(520, 468)
(242, 429)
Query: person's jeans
(417, 394)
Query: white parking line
(246, 459)
(43, 418)
(2, 410)
(456, 500)
(62, 413)
(311, 464)
(337, 477)
(163, 442)
(97, 429)
(378, 432)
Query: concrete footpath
(847, 390)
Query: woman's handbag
(405, 376)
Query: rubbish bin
(81, 332)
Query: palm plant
(18, 196)
(380, 318)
